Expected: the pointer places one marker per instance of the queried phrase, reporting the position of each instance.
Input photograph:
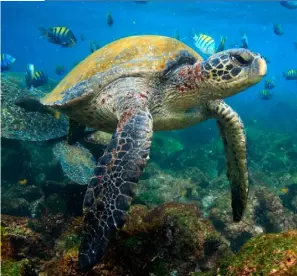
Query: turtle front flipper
(111, 189)
(233, 135)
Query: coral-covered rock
(18, 241)
(264, 213)
(164, 187)
(196, 176)
(13, 155)
(66, 265)
(171, 237)
(15, 206)
(236, 232)
(270, 254)
(50, 226)
(64, 197)
(17, 268)
(289, 197)
(271, 214)
(27, 192)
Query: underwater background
(41, 202)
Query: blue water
(21, 23)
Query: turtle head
(232, 71)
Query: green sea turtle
(137, 85)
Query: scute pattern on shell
(145, 54)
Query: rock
(171, 237)
(15, 207)
(270, 254)
(271, 214)
(17, 268)
(220, 213)
(13, 157)
(264, 213)
(27, 192)
(196, 176)
(18, 241)
(164, 187)
(289, 198)
(64, 197)
(50, 226)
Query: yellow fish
(23, 181)
(57, 115)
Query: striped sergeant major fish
(290, 75)
(205, 44)
(6, 62)
(265, 94)
(59, 35)
(34, 78)
(222, 45)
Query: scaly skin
(233, 135)
(113, 186)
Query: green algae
(16, 230)
(68, 241)
(276, 253)
(4, 233)
(14, 268)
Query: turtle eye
(241, 60)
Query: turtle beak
(261, 66)
(257, 70)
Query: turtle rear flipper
(232, 132)
(111, 189)
(33, 105)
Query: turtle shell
(136, 55)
